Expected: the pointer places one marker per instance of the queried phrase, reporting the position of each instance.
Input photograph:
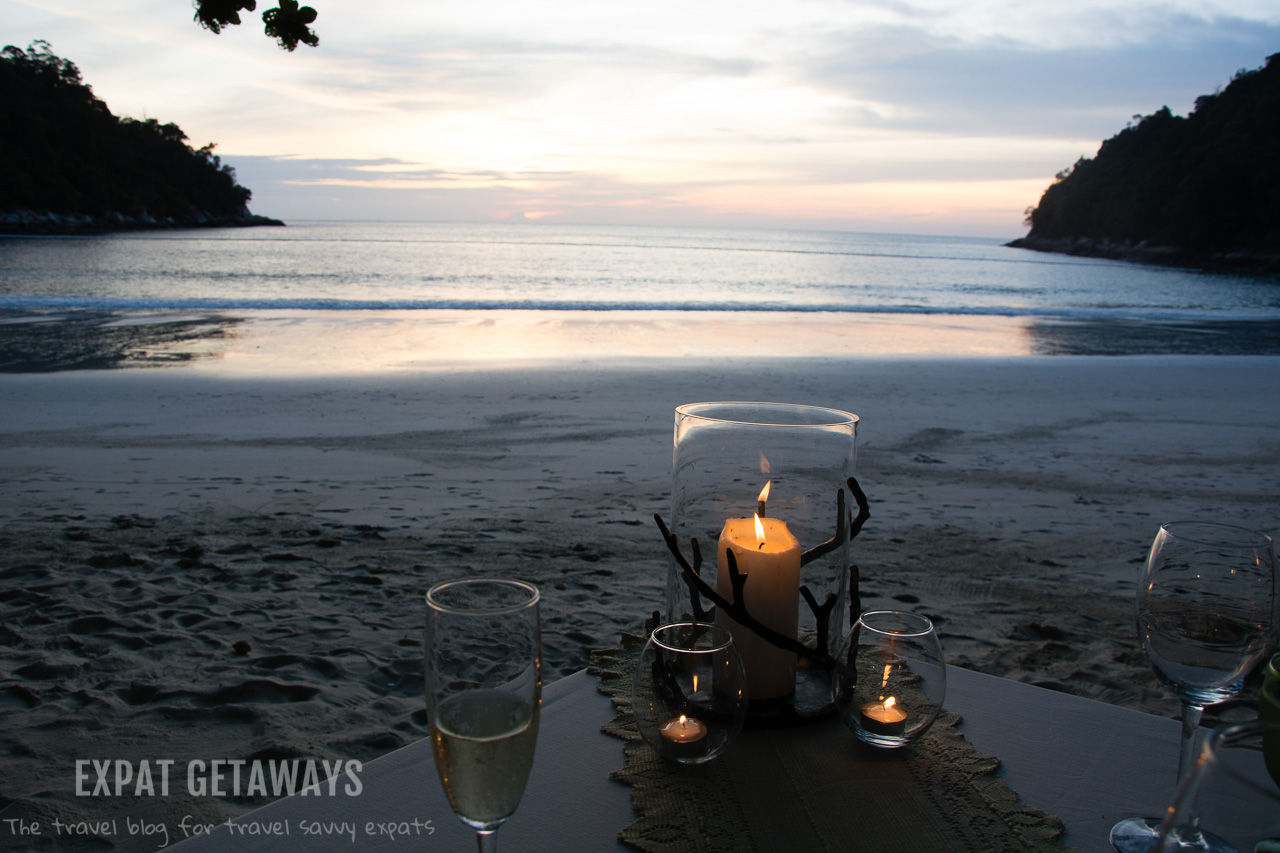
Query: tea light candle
(684, 736)
(883, 717)
(769, 555)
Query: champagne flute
(1205, 610)
(483, 691)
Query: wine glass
(1230, 799)
(1205, 610)
(483, 691)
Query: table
(1087, 762)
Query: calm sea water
(372, 265)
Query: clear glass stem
(1190, 725)
(487, 841)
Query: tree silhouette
(62, 150)
(288, 23)
(1203, 185)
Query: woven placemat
(817, 788)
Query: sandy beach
(227, 558)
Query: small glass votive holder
(892, 679)
(689, 695)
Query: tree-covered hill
(1203, 190)
(67, 163)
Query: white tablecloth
(1089, 763)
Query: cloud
(911, 79)
(386, 188)
(896, 111)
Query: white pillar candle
(769, 555)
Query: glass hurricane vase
(725, 456)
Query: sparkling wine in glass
(1205, 608)
(483, 692)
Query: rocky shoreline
(1235, 262)
(27, 222)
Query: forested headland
(1201, 190)
(67, 164)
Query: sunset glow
(937, 116)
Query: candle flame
(683, 719)
(889, 703)
(764, 493)
(759, 532)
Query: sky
(920, 116)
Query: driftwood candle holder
(819, 655)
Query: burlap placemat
(817, 788)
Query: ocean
(434, 267)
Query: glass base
(882, 740)
(810, 701)
(1139, 835)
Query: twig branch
(688, 572)
(855, 596)
(841, 534)
(864, 509)
(700, 613)
(821, 612)
(848, 527)
(737, 608)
